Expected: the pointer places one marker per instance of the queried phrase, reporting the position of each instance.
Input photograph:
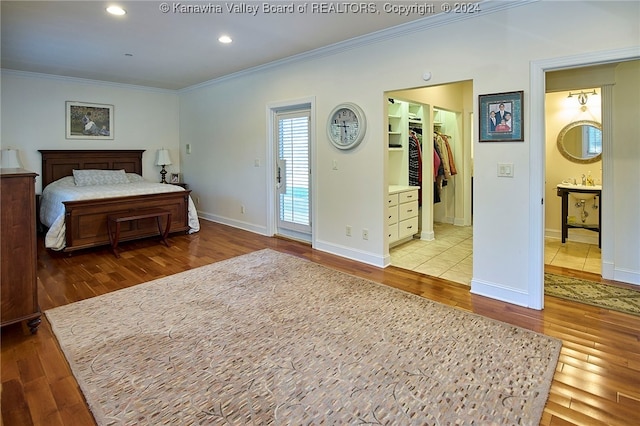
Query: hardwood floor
(597, 380)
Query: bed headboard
(59, 163)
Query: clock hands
(344, 125)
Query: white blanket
(52, 209)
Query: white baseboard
(358, 255)
(428, 236)
(627, 276)
(574, 235)
(500, 292)
(262, 230)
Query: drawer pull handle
(409, 196)
(409, 211)
(410, 226)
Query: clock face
(346, 126)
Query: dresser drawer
(408, 210)
(405, 197)
(392, 215)
(392, 200)
(408, 227)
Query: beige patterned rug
(268, 338)
(592, 293)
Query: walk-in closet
(430, 157)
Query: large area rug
(268, 338)
(592, 293)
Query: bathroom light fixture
(163, 160)
(582, 96)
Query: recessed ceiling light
(225, 39)
(116, 10)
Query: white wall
(225, 122)
(626, 173)
(33, 118)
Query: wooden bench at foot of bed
(86, 221)
(115, 221)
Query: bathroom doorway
(620, 225)
(573, 123)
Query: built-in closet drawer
(402, 213)
(407, 228)
(407, 210)
(392, 215)
(405, 197)
(393, 232)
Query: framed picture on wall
(89, 121)
(500, 117)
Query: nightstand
(182, 184)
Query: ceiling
(171, 50)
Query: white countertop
(394, 189)
(579, 187)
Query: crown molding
(434, 21)
(88, 81)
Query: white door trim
(272, 156)
(537, 159)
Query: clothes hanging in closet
(415, 163)
(445, 167)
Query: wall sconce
(163, 159)
(11, 159)
(582, 96)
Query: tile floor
(450, 255)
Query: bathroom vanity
(563, 191)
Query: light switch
(335, 165)
(188, 148)
(505, 170)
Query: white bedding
(65, 189)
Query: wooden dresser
(18, 255)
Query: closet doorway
(442, 246)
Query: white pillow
(134, 178)
(99, 177)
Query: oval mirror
(581, 141)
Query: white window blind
(293, 148)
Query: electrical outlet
(365, 234)
(348, 230)
(242, 209)
(197, 200)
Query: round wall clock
(346, 126)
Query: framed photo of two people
(501, 117)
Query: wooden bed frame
(86, 220)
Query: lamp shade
(11, 159)
(163, 158)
